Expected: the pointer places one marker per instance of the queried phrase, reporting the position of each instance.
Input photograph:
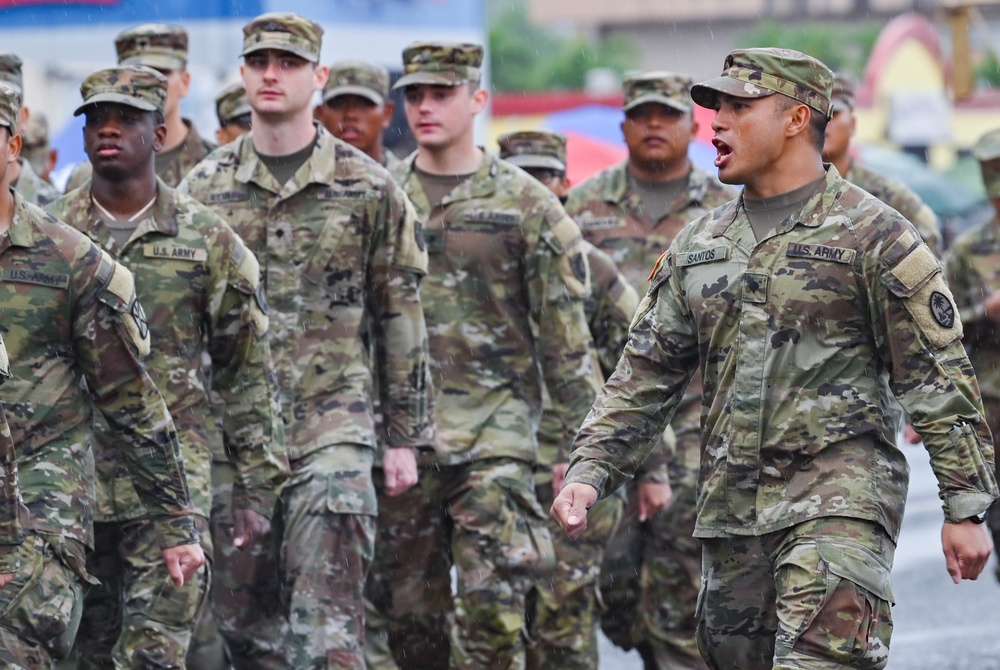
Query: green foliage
(524, 57)
(843, 48)
(988, 71)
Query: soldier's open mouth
(724, 152)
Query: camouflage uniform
(11, 504)
(199, 285)
(504, 308)
(338, 245)
(162, 47)
(652, 571)
(71, 318)
(563, 607)
(892, 192)
(35, 142)
(802, 488)
(365, 79)
(32, 188)
(972, 268)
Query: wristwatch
(979, 518)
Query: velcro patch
(933, 309)
(4, 360)
(346, 194)
(916, 267)
(510, 218)
(599, 223)
(688, 258)
(821, 252)
(755, 287)
(122, 287)
(28, 276)
(175, 253)
(228, 196)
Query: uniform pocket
(526, 543)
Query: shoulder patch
(4, 362)
(657, 264)
(119, 294)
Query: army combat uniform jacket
(899, 196)
(70, 316)
(504, 302)
(794, 336)
(200, 288)
(973, 272)
(34, 189)
(337, 243)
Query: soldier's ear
(159, 136)
(13, 146)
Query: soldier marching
(357, 381)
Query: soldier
(75, 332)
(794, 299)
(233, 112)
(36, 148)
(356, 107)
(632, 211)
(504, 305)
(972, 268)
(164, 48)
(339, 248)
(28, 183)
(896, 194)
(563, 608)
(201, 288)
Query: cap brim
(542, 162)
(119, 98)
(361, 91)
(155, 61)
(659, 100)
(278, 45)
(432, 78)
(238, 112)
(706, 93)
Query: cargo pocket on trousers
(853, 624)
(526, 543)
(178, 606)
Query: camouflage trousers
(564, 608)
(652, 571)
(484, 519)
(814, 596)
(40, 609)
(992, 411)
(206, 651)
(136, 617)
(325, 534)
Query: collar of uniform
(192, 141)
(322, 164)
(619, 192)
(22, 233)
(165, 211)
(479, 185)
(813, 213)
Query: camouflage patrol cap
(756, 73)
(157, 45)
(534, 149)
(35, 134)
(136, 86)
(664, 88)
(10, 71)
(10, 105)
(987, 152)
(844, 86)
(357, 77)
(231, 102)
(440, 63)
(284, 31)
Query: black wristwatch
(979, 518)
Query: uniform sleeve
(918, 332)
(11, 532)
(110, 333)
(558, 276)
(639, 399)
(399, 262)
(965, 284)
(243, 375)
(925, 221)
